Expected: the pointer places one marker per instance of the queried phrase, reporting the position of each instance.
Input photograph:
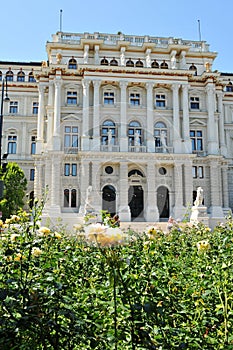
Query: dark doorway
(136, 202)
(163, 202)
(109, 199)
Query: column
(188, 184)
(96, 116)
(57, 115)
(40, 120)
(225, 194)
(179, 209)
(38, 184)
(50, 114)
(124, 211)
(176, 119)
(84, 183)
(211, 124)
(187, 146)
(151, 208)
(85, 54)
(150, 141)
(55, 208)
(97, 194)
(123, 121)
(223, 148)
(85, 123)
(215, 181)
(97, 59)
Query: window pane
(67, 140)
(73, 198)
(66, 198)
(67, 169)
(74, 169)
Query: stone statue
(109, 137)
(163, 140)
(137, 139)
(199, 198)
(88, 207)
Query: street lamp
(5, 98)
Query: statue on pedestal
(88, 206)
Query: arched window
(135, 134)
(72, 63)
(9, 75)
(31, 78)
(164, 65)
(193, 68)
(0, 76)
(139, 63)
(21, 76)
(229, 87)
(160, 129)
(33, 144)
(108, 133)
(104, 62)
(135, 172)
(109, 199)
(129, 63)
(70, 198)
(154, 64)
(113, 62)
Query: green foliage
(157, 292)
(15, 185)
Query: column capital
(57, 83)
(210, 89)
(185, 87)
(41, 88)
(86, 83)
(123, 84)
(149, 86)
(96, 83)
(175, 87)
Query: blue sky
(26, 26)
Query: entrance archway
(109, 199)
(163, 202)
(136, 202)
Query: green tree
(15, 185)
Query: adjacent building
(125, 123)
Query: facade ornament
(173, 59)
(85, 55)
(122, 56)
(59, 58)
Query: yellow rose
(36, 251)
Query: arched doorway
(109, 199)
(136, 203)
(163, 202)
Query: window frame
(12, 143)
(197, 140)
(194, 102)
(13, 107)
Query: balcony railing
(110, 148)
(71, 150)
(141, 149)
(164, 149)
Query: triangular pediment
(196, 122)
(71, 117)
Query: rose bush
(116, 290)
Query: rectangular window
(197, 140)
(134, 99)
(74, 169)
(71, 136)
(13, 107)
(32, 174)
(35, 107)
(160, 101)
(194, 171)
(200, 172)
(33, 145)
(109, 98)
(71, 97)
(12, 144)
(194, 103)
(67, 169)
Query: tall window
(194, 102)
(70, 169)
(108, 132)
(13, 107)
(160, 100)
(70, 198)
(135, 133)
(21, 76)
(32, 174)
(35, 107)
(160, 129)
(108, 98)
(197, 140)
(193, 68)
(9, 75)
(72, 63)
(31, 78)
(71, 97)
(198, 172)
(71, 137)
(12, 144)
(33, 144)
(134, 99)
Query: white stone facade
(143, 120)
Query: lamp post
(4, 98)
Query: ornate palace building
(138, 121)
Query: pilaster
(152, 212)
(123, 121)
(176, 119)
(187, 146)
(57, 115)
(124, 211)
(223, 148)
(85, 123)
(149, 121)
(212, 135)
(40, 120)
(96, 116)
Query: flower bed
(108, 289)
